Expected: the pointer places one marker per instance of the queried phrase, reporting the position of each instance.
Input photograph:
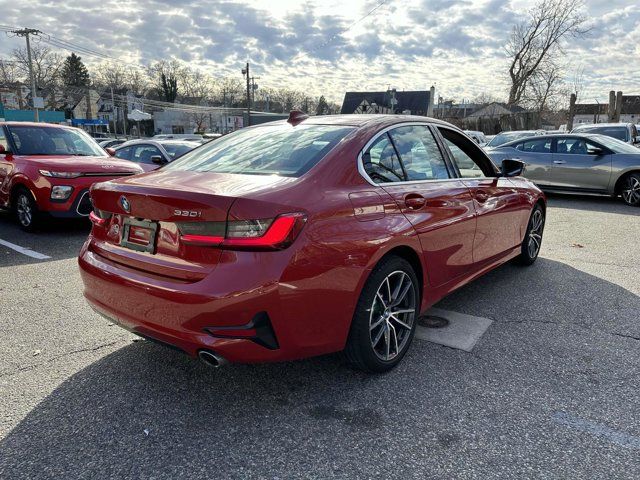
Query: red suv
(49, 168)
(305, 237)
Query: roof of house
(591, 108)
(415, 101)
(496, 108)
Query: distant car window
(3, 139)
(176, 150)
(535, 146)
(382, 163)
(143, 153)
(621, 132)
(572, 146)
(617, 146)
(419, 153)
(466, 154)
(43, 140)
(124, 153)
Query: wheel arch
(17, 185)
(617, 189)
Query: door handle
(414, 201)
(559, 162)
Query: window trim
(374, 138)
(495, 169)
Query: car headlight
(61, 192)
(48, 173)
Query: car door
(6, 166)
(408, 163)
(580, 164)
(536, 154)
(498, 202)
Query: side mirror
(158, 159)
(511, 168)
(3, 151)
(110, 151)
(595, 151)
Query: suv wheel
(385, 318)
(25, 209)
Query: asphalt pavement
(550, 390)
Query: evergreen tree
(323, 106)
(169, 84)
(74, 73)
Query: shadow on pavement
(591, 203)
(148, 412)
(57, 238)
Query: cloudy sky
(320, 46)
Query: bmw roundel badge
(124, 203)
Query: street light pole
(25, 32)
(245, 71)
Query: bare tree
(201, 119)
(539, 39)
(577, 82)
(229, 92)
(545, 88)
(110, 75)
(8, 72)
(195, 84)
(46, 65)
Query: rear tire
(630, 190)
(25, 210)
(532, 242)
(385, 318)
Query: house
(418, 102)
(598, 112)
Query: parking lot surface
(549, 391)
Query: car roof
(34, 124)
(158, 141)
(596, 125)
(550, 136)
(363, 120)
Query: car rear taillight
(98, 217)
(262, 234)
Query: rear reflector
(263, 234)
(96, 220)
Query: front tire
(533, 237)
(385, 319)
(26, 210)
(631, 190)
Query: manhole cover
(433, 321)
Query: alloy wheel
(24, 210)
(535, 233)
(392, 315)
(631, 191)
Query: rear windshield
(621, 133)
(269, 150)
(42, 140)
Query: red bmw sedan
(308, 236)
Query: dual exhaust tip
(212, 359)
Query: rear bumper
(222, 312)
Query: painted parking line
(462, 332)
(25, 251)
(597, 429)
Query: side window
(542, 145)
(124, 153)
(468, 157)
(143, 153)
(419, 153)
(3, 139)
(381, 162)
(572, 146)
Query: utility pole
(25, 32)
(115, 117)
(254, 87)
(245, 72)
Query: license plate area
(139, 235)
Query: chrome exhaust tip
(211, 359)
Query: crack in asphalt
(57, 357)
(577, 324)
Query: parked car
(152, 154)
(625, 132)
(578, 163)
(303, 237)
(112, 142)
(505, 137)
(477, 137)
(48, 169)
(179, 136)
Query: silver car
(578, 163)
